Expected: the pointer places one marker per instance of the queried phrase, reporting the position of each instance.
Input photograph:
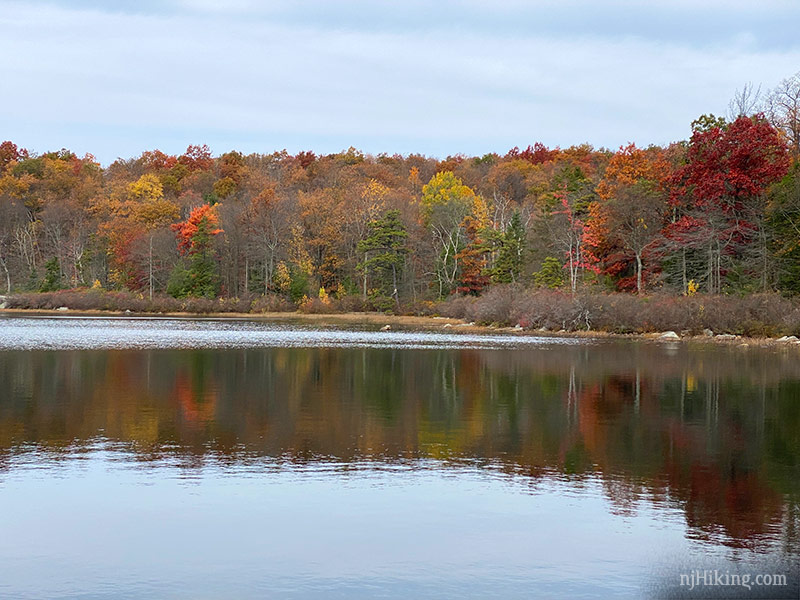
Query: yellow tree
(151, 210)
(446, 201)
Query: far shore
(411, 322)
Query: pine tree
(385, 252)
(551, 275)
(508, 268)
(52, 276)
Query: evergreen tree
(551, 275)
(52, 276)
(508, 268)
(385, 251)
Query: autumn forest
(717, 214)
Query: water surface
(207, 459)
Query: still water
(160, 458)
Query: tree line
(718, 213)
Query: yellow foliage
(147, 187)
(692, 287)
(155, 212)
(375, 192)
(323, 295)
(282, 278)
(480, 210)
(298, 253)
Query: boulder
(62, 308)
(386, 328)
(669, 335)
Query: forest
(718, 214)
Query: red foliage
(728, 166)
(187, 230)
(306, 159)
(537, 154)
(8, 154)
(576, 255)
(156, 160)
(197, 158)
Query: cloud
(259, 77)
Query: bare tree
(745, 102)
(783, 109)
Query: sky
(439, 78)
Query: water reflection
(712, 432)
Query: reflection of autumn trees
(712, 431)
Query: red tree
(187, 230)
(721, 188)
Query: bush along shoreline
(755, 316)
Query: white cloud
(117, 83)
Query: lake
(202, 458)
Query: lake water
(163, 458)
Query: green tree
(551, 275)
(52, 276)
(385, 251)
(508, 268)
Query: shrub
(315, 306)
(271, 303)
(756, 315)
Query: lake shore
(412, 323)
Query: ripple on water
(86, 333)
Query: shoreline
(412, 323)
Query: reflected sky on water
(540, 467)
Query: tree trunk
(246, 275)
(394, 286)
(365, 275)
(150, 265)
(639, 273)
(8, 275)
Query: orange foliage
(187, 230)
(630, 165)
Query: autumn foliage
(187, 230)
(718, 213)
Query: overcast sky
(439, 77)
